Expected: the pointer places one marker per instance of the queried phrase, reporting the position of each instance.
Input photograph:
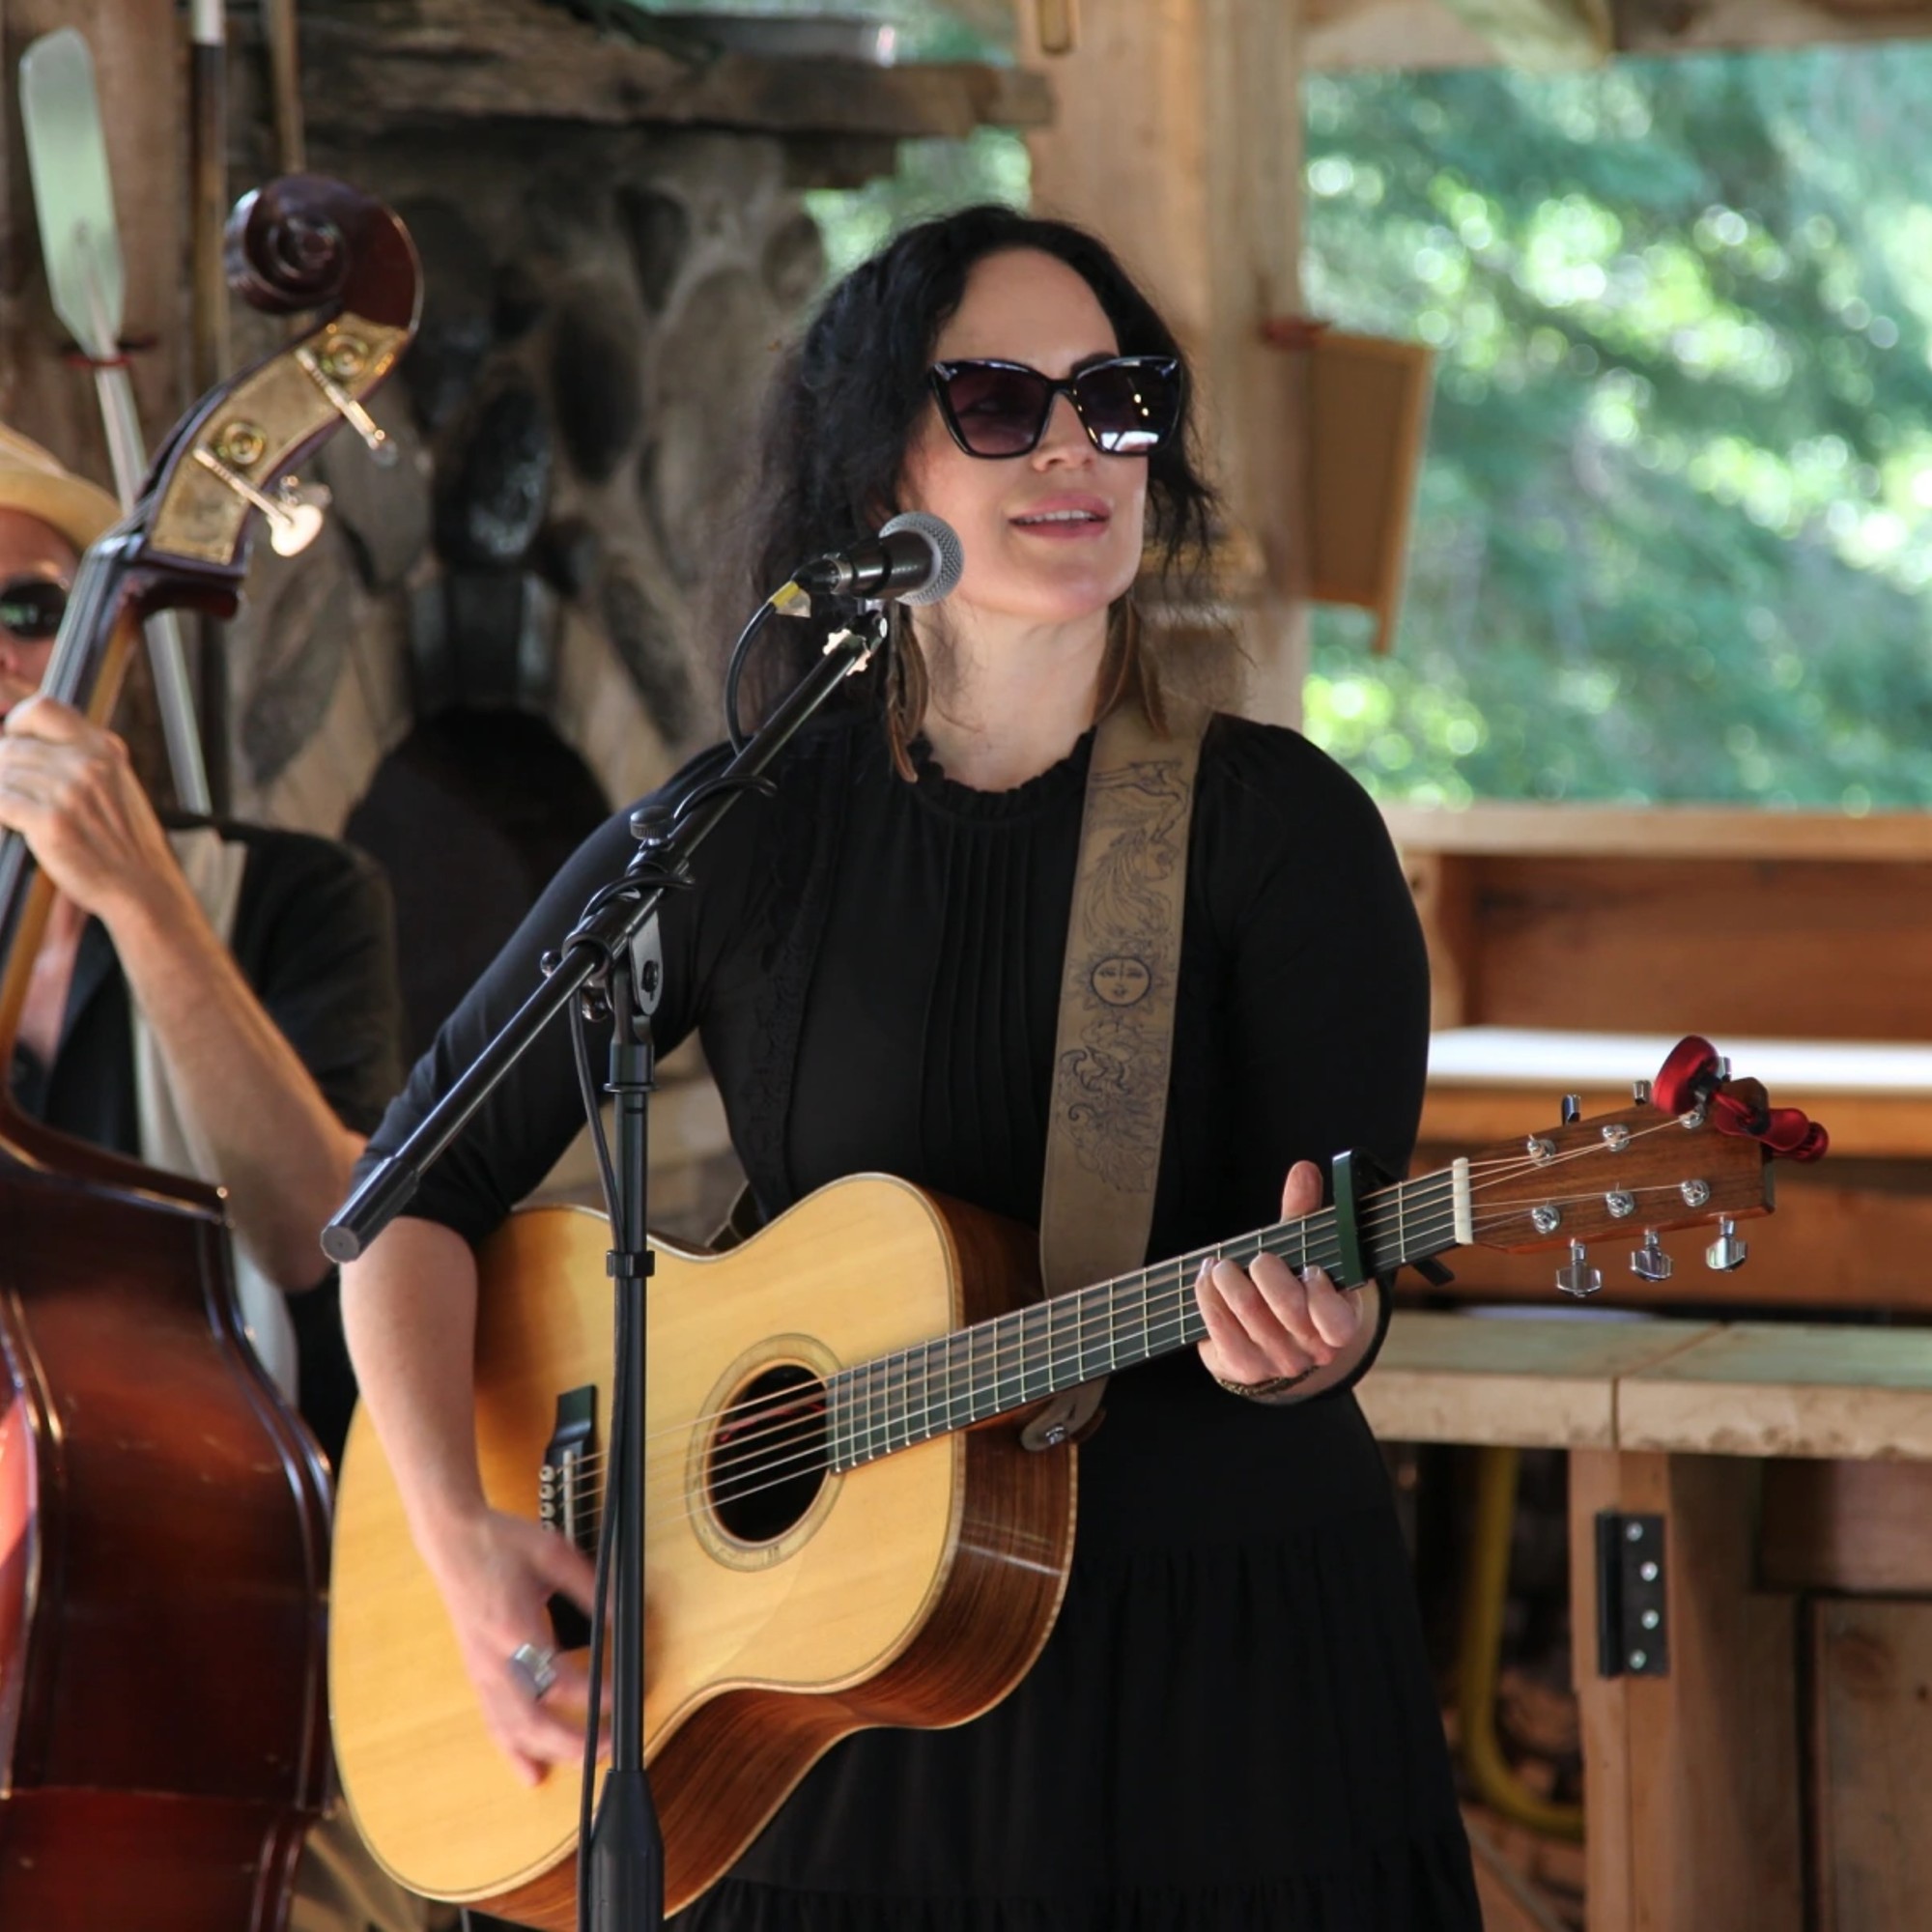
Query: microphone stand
(626, 1854)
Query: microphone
(915, 558)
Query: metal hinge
(1633, 1626)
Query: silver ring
(533, 1667)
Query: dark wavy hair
(839, 417)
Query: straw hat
(31, 480)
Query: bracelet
(1260, 1391)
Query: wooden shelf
(1659, 831)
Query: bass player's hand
(67, 786)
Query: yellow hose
(1483, 1597)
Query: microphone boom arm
(621, 913)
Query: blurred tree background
(1673, 534)
(1674, 530)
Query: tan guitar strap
(1115, 1044)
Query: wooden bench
(1791, 1712)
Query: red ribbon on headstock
(1689, 1078)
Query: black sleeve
(516, 1136)
(1326, 981)
(315, 937)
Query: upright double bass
(163, 1514)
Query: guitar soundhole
(768, 1459)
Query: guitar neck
(1013, 1360)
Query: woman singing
(1231, 1724)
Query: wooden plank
(1794, 949)
(1847, 1526)
(1367, 406)
(1569, 1058)
(1693, 26)
(1424, 34)
(368, 67)
(1542, 34)
(1602, 1705)
(1872, 1675)
(1787, 1390)
(1661, 831)
(1713, 1747)
(1532, 1382)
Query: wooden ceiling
(1580, 33)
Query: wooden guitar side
(915, 1590)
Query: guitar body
(163, 1568)
(912, 1590)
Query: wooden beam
(1549, 34)
(1175, 136)
(1423, 34)
(1401, 33)
(382, 63)
(1691, 26)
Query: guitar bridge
(567, 1496)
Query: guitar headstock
(1615, 1175)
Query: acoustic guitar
(842, 1527)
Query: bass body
(782, 1613)
(163, 1567)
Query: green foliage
(934, 176)
(1674, 531)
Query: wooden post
(1177, 137)
(1691, 1780)
(139, 58)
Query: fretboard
(1016, 1359)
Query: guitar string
(1105, 1308)
(879, 1393)
(899, 1417)
(817, 1454)
(888, 1412)
(1377, 1222)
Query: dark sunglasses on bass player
(31, 607)
(1128, 404)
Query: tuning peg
(1650, 1263)
(1577, 1277)
(293, 521)
(347, 359)
(1640, 1092)
(1572, 1109)
(1726, 1252)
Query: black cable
(734, 673)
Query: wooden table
(1775, 1777)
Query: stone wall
(601, 306)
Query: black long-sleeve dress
(1231, 1724)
